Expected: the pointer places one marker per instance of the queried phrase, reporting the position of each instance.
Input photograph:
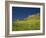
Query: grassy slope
(29, 23)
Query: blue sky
(23, 12)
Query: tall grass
(29, 23)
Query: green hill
(29, 23)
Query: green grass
(29, 23)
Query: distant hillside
(29, 23)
